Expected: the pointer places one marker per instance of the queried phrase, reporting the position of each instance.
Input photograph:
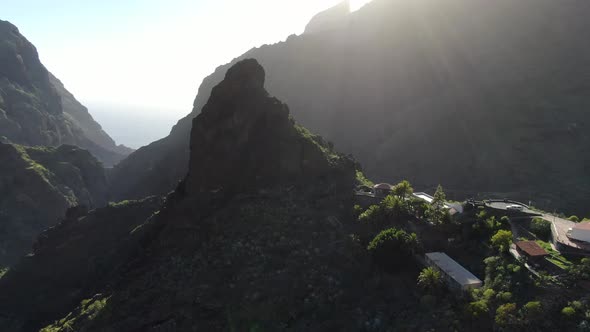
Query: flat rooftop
(428, 198)
(453, 269)
(560, 228)
(531, 248)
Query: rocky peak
(244, 140)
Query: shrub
(532, 311)
(437, 213)
(574, 219)
(541, 227)
(392, 248)
(505, 296)
(362, 179)
(357, 210)
(370, 214)
(477, 309)
(430, 279)
(568, 312)
(506, 314)
(403, 190)
(502, 240)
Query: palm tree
(430, 279)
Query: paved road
(499, 205)
(559, 227)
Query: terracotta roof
(531, 248)
(383, 186)
(583, 225)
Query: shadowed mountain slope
(37, 186)
(479, 96)
(36, 109)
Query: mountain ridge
(37, 110)
(441, 83)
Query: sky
(148, 57)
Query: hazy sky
(141, 62)
(150, 53)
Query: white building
(580, 232)
(453, 207)
(455, 275)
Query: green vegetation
(88, 310)
(33, 165)
(541, 228)
(122, 203)
(502, 240)
(437, 213)
(3, 271)
(506, 315)
(574, 219)
(392, 208)
(486, 226)
(580, 271)
(430, 280)
(568, 312)
(532, 311)
(361, 179)
(326, 147)
(403, 190)
(555, 256)
(393, 248)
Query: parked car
(514, 207)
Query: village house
(382, 189)
(456, 276)
(532, 251)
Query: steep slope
(35, 108)
(80, 255)
(479, 96)
(80, 116)
(37, 186)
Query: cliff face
(35, 108)
(479, 96)
(37, 186)
(81, 117)
(244, 140)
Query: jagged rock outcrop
(37, 186)
(245, 140)
(479, 96)
(35, 108)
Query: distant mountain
(35, 107)
(481, 96)
(37, 186)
